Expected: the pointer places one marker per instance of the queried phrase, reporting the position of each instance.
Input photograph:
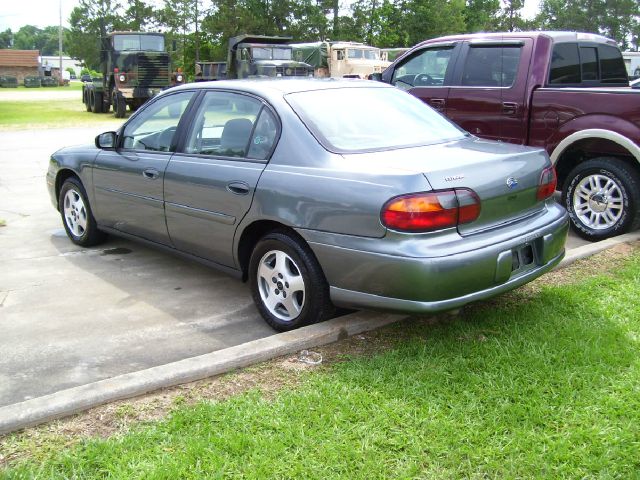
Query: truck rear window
(565, 64)
(590, 64)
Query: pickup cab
(565, 92)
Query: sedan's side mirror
(106, 141)
(375, 76)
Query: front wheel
(119, 104)
(287, 283)
(77, 217)
(603, 198)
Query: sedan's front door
(128, 181)
(210, 181)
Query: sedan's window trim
(219, 157)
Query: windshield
(370, 119)
(268, 53)
(153, 43)
(363, 54)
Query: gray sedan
(320, 194)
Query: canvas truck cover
(315, 54)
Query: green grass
(49, 113)
(535, 385)
(22, 88)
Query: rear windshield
(369, 118)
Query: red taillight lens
(548, 183)
(423, 212)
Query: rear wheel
(85, 99)
(603, 198)
(76, 214)
(97, 102)
(287, 283)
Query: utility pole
(60, 43)
(197, 39)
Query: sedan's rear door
(210, 182)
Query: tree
(6, 39)
(91, 21)
(617, 19)
(481, 15)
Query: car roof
(283, 86)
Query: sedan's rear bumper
(365, 279)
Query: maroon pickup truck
(565, 92)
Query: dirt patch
(269, 377)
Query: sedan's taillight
(424, 212)
(548, 183)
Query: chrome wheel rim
(598, 202)
(75, 213)
(281, 285)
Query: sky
(41, 13)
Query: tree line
(201, 28)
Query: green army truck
(252, 56)
(135, 67)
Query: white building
(52, 61)
(632, 62)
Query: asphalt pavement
(71, 316)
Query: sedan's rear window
(370, 118)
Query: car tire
(287, 283)
(85, 99)
(76, 214)
(97, 103)
(602, 196)
(119, 104)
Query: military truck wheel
(85, 99)
(119, 104)
(91, 103)
(97, 103)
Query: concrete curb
(592, 248)
(73, 400)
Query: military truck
(251, 56)
(135, 67)
(340, 59)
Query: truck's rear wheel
(603, 198)
(85, 99)
(91, 104)
(96, 107)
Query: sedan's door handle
(509, 108)
(238, 188)
(151, 173)
(438, 103)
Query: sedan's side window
(155, 128)
(427, 68)
(223, 125)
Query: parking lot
(70, 316)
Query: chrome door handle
(151, 173)
(438, 103)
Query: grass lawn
(21, 88)
(543, 382)
(49, 114)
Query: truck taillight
(548, 183)
(424, 212)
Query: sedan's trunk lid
(505, 177)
